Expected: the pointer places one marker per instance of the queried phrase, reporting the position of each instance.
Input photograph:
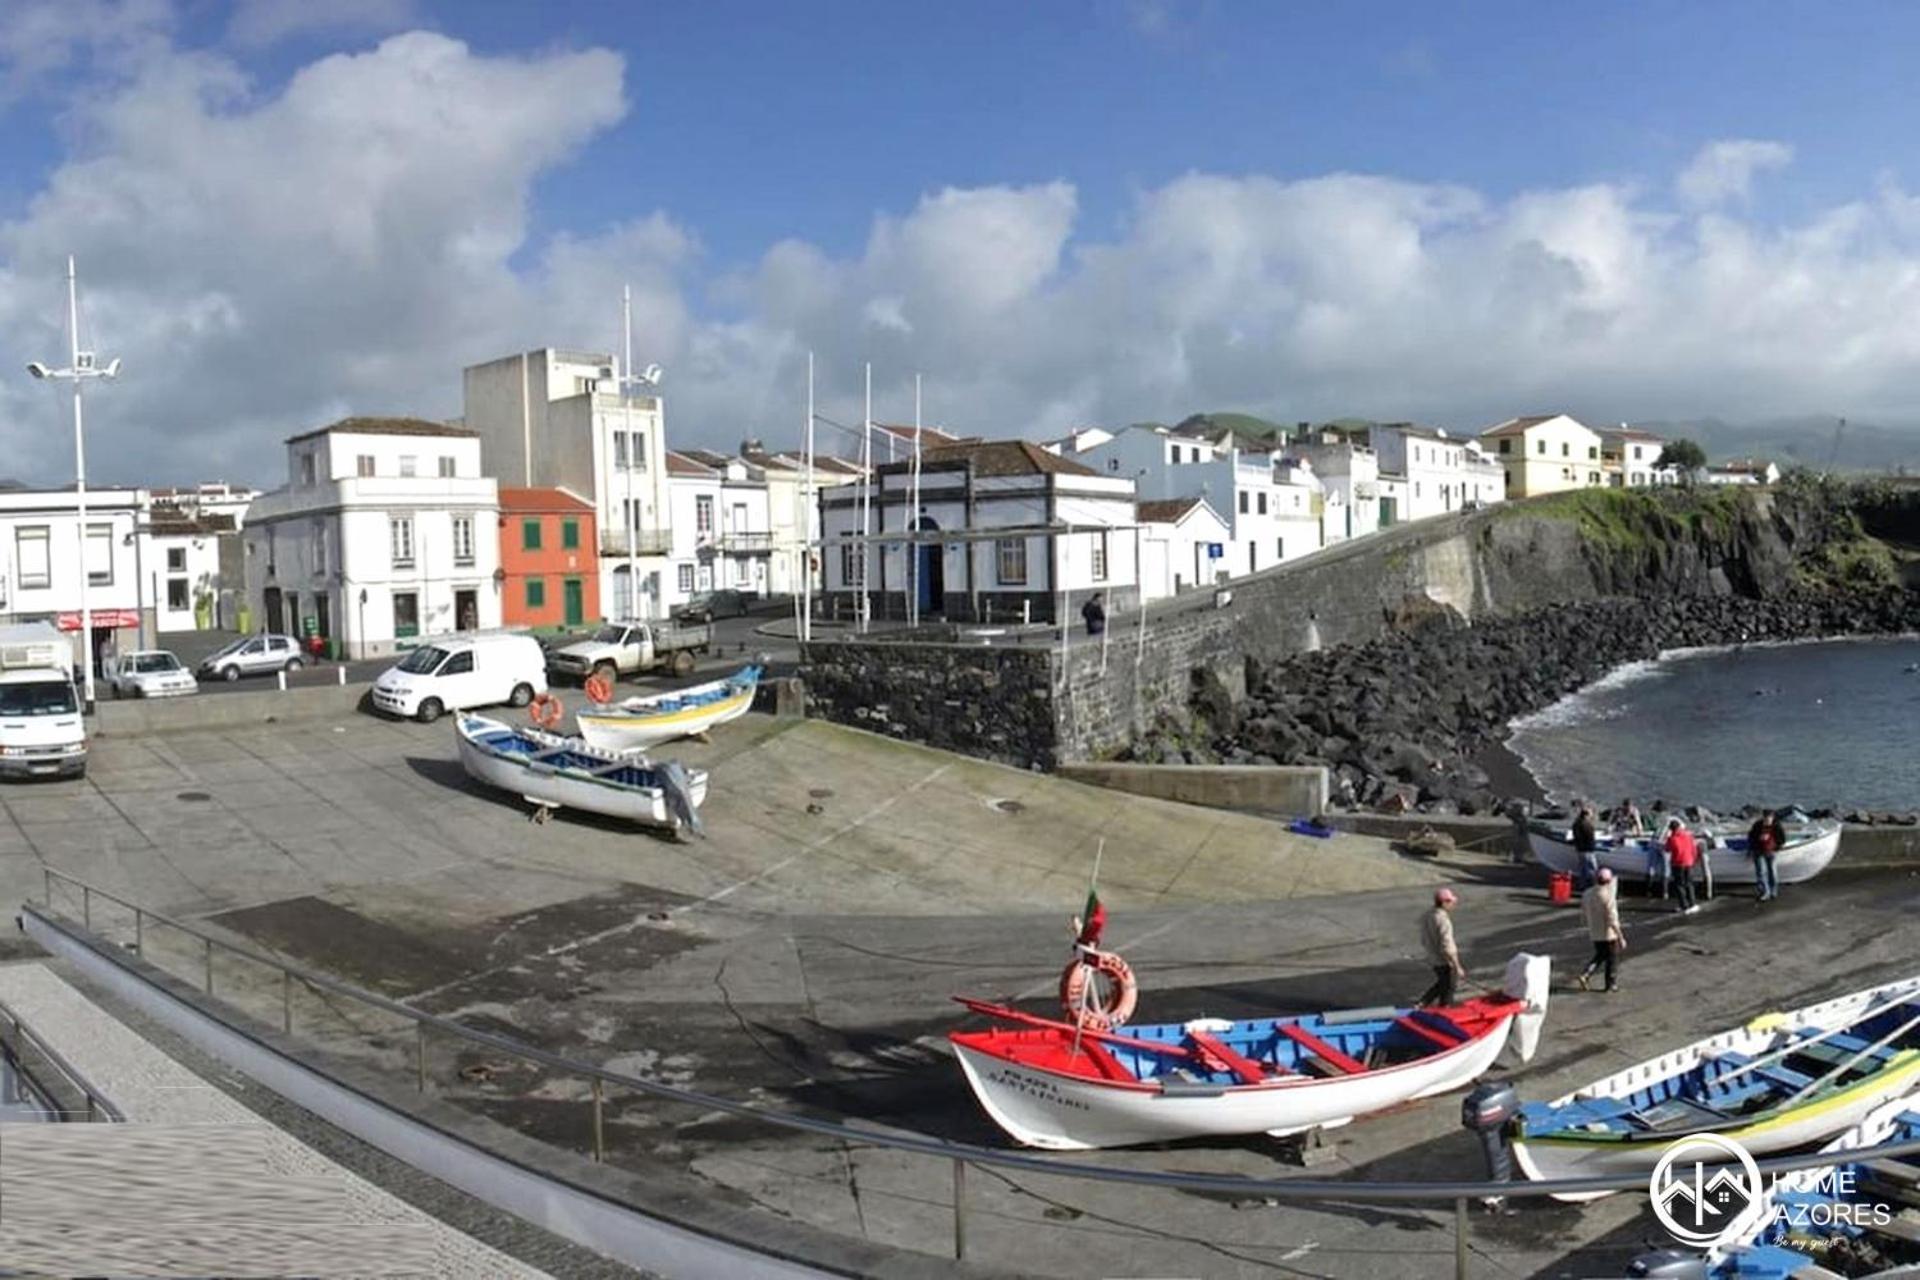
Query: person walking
(1586, 843)
(1601, 907)
(1683, 851)
(1095, 615)
(1436, 938)
(1764, 840)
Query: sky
(1083, 211)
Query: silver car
(252, 656)
(150, 673)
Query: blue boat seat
(1785, 1077)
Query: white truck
(629, 648)
(41, 732)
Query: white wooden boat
(1808, 850)
(637, 723)
(553, 772)
(1051, 1085)
(1853, 1216)
(1784, 1080)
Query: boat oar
(1881, 1043)
(1035, 1020)
(1774, 1055)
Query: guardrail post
(86, 907)
(420, 1054)
(599, 1134)
(209, 963)
(1460, 1238)
(342, 670)
(282, 675)
(139, 932)
(286, 1001)
(959, 1210)
(47, 874)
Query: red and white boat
(1065, 1087)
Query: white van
(41, 732)
(463, 671)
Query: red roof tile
(542, 500)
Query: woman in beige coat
(1600, 904)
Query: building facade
(385, 533)
(549, 559)
(41, 556)
(1743, 471)
(1003, 531)
(1443, 473)
(1548, 453)
(195, 566)
(1629, 458)
(556, 419)
(1349, 474)
(1183, 546)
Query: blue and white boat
(1785, 1080)
(1809, 848)
(552, 772)
(1851, 1218)
(638, 723)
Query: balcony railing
(743, 542)
(645, 542)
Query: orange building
(550, 558)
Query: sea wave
(1582, 706)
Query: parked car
(460, 672)
(149, 673)
(629, 648)
(708, 605)
(253, 656)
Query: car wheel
(521, 696)
(229, 674)
(116, 692)
(293, 664)
(430, 711)
(683, 663)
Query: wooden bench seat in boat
(1216, 1051)
(1423, 1029)
(1337, 1062)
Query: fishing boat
(1853, 1217)
(552, 772)
(1784, 1080)
(637, 723)
(1067, 1087)
(1809, 848)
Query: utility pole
(81, 366)
(913, 512)
(806, 622)
(866, 502)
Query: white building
(1443, 473)
(1349, 473)
(195, 562)
(1743, 471)
(556, 419)
(1003, 531)
(722, 532)
(1545, 453)
(1183, 545)
(794, 520)
(1629, 458)
(386, 532)
(40, 558)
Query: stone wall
(991, 702)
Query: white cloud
(257, 23)
(1723, 171)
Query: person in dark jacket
(1586, 843)
(1764, 840)
(1095, 614)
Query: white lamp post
(81, 367)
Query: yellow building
(1545, 454)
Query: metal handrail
(960, 1153)
(98, 1104)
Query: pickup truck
(630, 648)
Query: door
(457, 683)
(323, 615)
(406, 614)
(930, 570)
(575, 601)
(270, 611)
(291, 622)
(466, 610)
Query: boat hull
(556, 789)
(1628, 859)
(1059, 1112)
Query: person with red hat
(1436, 938)
(1600, 905)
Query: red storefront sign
(113, 618)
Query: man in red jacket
(1685, 852)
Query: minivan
(462, 671)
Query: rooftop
(683, 464)
(387, 427)
(1519, 426)
(997, 458)
(1166, 510)
(542, 500)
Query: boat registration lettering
(1037, 1087)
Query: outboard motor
(677, 789)
(1487, 1111)
(1669, 1264)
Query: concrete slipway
(802, 956)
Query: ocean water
(1830, 723)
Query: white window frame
(849, 568)
(463, 541)
(686, 578)
(363, 466)
(24, 537)
(176, 559)
(449, 467)
(702, 514)
(619, 451)
(1100, 556)
(306, 468)
(1010, 553)
(400, 540)
(104, 532)
(319, 546)
(409, 465)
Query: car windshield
(149, 662)
(231, 647)
(40, 698)
(610, 635)
(423, 660)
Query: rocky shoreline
(1412, 721)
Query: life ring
(599, 689)
(546, 711)
(1098, 1006)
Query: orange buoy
(599, 689)
(1097, 989)
(546, 711)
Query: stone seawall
(990, 702)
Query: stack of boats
(605, 769)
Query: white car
(460, 672)
(149, 673)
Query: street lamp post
(81, 366)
